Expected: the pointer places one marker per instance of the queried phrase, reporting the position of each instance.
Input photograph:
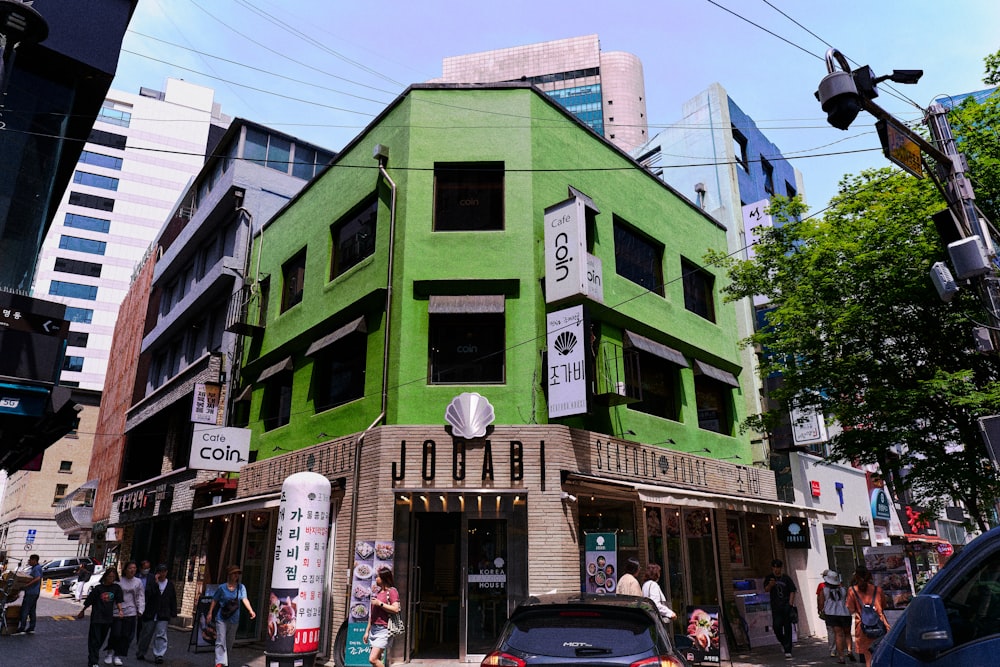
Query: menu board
(369, 557)
(295, 605)
(600, 563)
(703, 631)
(890, 570)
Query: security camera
(568, 496)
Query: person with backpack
(864, 601)
(836, 614)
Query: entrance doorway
(467, 567)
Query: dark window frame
(276, 404)
(659, 382)
(77, 267)
(768, 170)
(346, 360)
(740, 142)
(699, 290)
(350, 249)
(293, 280)
(718, 418)
(645, 268)
(466, 185)
(488, 366)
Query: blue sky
(322, 69)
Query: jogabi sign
(221, 448)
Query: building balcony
(243, 317)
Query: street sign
(900, 148)
(17, 320)
(31, 535)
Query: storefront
(466, 517)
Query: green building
(496, 334)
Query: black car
(62, 567)
(585, 629)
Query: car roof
(588, 599)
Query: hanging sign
(295, 606)
(601, 558)
(567, 376)
(205, 403)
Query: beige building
(604, 89)
(31, 499)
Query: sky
(321, 70)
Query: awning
(283, 365)
(725, 377)
(660, 350)
(355, 326)
(245, 394)
(440, 304)
(240, 505)
(654, 494)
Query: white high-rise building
(141, 155)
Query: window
(466, 348)
(740, 149)
(698, 287)
(714, 400)
(73, 364)
(293, 274)
(73, 290)
(60, 493)
(353, 238)
(100, 160)
(80, 315)
(77, 339)
(109, 114)
(82, 245)
(109, 139)
(276, 408)
(789, 190)
(65, 466)
(95, 180)
(638, 258)
(87, 222)
(91, 201)
(468, 197)
(78, 267)
(305, 163)
(279, 154)
(265, 299)
(339, 372)
(268, 150)
(659, 382)
(768, 175)
(255, 146)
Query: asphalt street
(60, 640)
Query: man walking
(133, 605)
(782, 590)
(31, 593)
(161, 606)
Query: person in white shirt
(123, 629)
(651, 589)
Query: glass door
(487, 565)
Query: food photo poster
(369, 556)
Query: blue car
(955, 620)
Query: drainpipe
(381, 153)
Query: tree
(857, 330)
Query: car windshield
(569, 633)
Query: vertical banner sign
(295, 608)
(601, 563)
(567, 376)
(754, 216)
(369, 557)
(565, 250)
(205, 403)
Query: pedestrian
(32, 590)
(161, 606)
(384, 602)
(123, 629)
(651, 589)
(831, 636)
(782, 591)
(627, 583)
(144, 576)
(837, 615)
(82, 577)
(105, 598)
(225, 609)
(861, 593)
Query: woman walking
(864, 592)
(837, 615)
(651, 589)
(225, 609)
(385, 602)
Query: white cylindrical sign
(295, 608)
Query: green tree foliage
(858, 330)
(992, 77)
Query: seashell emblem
(469, 414)
(565, 342)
